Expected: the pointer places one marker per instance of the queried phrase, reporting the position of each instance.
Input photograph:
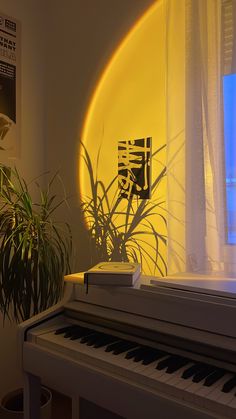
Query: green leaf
(35, 249)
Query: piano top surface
(193, 283)
(220, 285)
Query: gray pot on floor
(11, 405)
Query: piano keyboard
(197, 383)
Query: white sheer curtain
(196, 178)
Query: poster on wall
(134, 168)
(10, 55)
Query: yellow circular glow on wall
(130, 103)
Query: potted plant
(35, 250)
(11, 406)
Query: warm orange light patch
(130, 102)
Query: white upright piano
(164, 349)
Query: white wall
(31, 161)
(83, 36)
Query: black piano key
(101, 339)
(105, 340)
(154, 356)
(166, 362)
(203, 373)
(120, 346)
(62, 330)
(72, 330)
(80, 332)
(124, 348)
(88, 336)
(138, 353)
(176, 364)
(189, 372)
(214, 377)
(92, 339)
(115, 345)
(143, 353)
(229, 385)
(131, 354)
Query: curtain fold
(195, 151)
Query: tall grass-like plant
(121, 229)
(34, 249)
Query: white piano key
(151, 371)
(158, 375)
(127, 363)
(217, 401)
(76, 347)
(231, 408)
(190, 392)
(170, 381)
(165, 378)
(170, 384)
(184, 383)
(139, 367)
(216, 393)
(150, 368)
(205, 391)
(222, 406)
(233, 403)
(118, 360)
(166, 382)
(177, 387)
(175, 378)
(146, 370)
(225, 398)
(115, 361)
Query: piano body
(153, 351)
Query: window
(229, 96)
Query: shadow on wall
(122, 229)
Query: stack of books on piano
(113, 273)
(121, 274)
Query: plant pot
(11, 405)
